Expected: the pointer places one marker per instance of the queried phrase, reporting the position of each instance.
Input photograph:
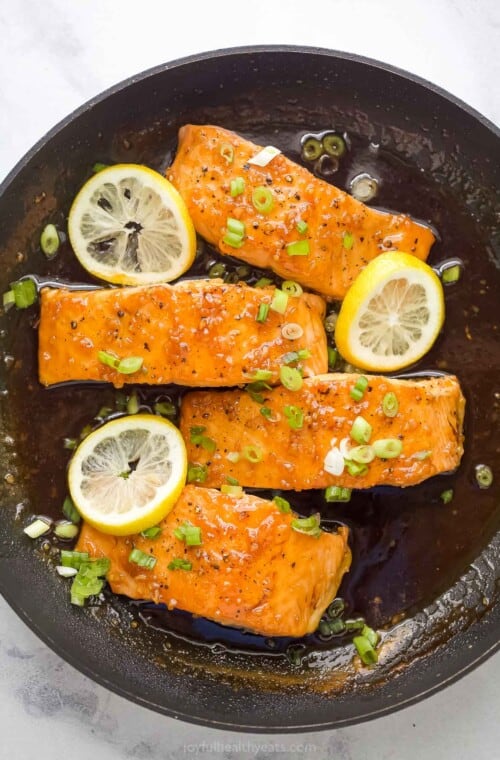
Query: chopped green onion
(198, 439)
(231, 481)
(70, 511)
(254, 391)
(298, 248)
(334, 145)
(311, 149)
(262, 374)
(73, 559)
(355, 469)
(355, 625)
(49, 240)
(331, 321)
(25, 294)
(190, 534)
(153, 532)
(336, 608)
(233, 457)
(237, 186)
(165, 408)
(233, 240)
(294, 356)
(370, 634)
(66, 530)
(365, 650)
(295, 416)
(337, 493)
(70, 443)
(452, 274)
(348, 240)
(94, 567)
(292, 331)
(9, 300)
(361, 430)
(133, 403)
(333, 356)
(390, 404)
(308, 525)
(301, 227)
(291, 288)
(363, 454)
(266, 412)
(84, 586)
(484, 475)
(227, 152)
(279, 301)
(126, 366)
(447, 496)
(282, 504)
(262, 312)
(252, 454)
(66, 572)
(235, 226)
(37, 528)
(291, 378)
(195, 434)
(331, 627)
(264, 156)
(231, 490)
(387, 448)
(138, 557)
(263, 282)
(197, 473)
(262, 199)
(180, 564)
(360, 386)
(217, 270)
(98, 167)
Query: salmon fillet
(252, 569)
(202, 175)
(429, 424)
(198, 332)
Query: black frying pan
(425, 572)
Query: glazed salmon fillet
(197, 333)
(428, 424)
(252, 570)
(343, 234)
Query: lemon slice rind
(128, 474)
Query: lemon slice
(128, 474)
(391, 314)
(128, 225)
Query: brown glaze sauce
(408, 546)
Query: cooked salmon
(428, 423)
(252, 569)
(198, 333)
(342, 234)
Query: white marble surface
(55, 55)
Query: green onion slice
(291, 378)
(452, 274)
(263, 282)
(361, 430)
(231, 481)
(138, 557)
(152, 532)
(217, 270)
(70, 511)
(282, 504)
(165, 409)
(447, 496)
(126, 366)
(311, 149)
(298, 248)
(73, 559)
(387, 448)
(334, 145)
(370, 634)
(252, 454)
(484, 475)
(190, 534)
(227, 152)
(365, 650)
(180, 564)
(360, 386)
(363, 454)
(301, 227)
(310, 526)
(231, 490)
(295, 416)
(355, 469)
(49, 240)
(390, 404)
(262, 199)
(291, 288)
(197, 473)
(254, 390)
(279, 301)
(262, 374)
(9, 300)
(24, 294)
(38, 528)
(133, 403)
(98, 167)
(337, 493)
(233, 240)
(66, 530)
(348, 240)
(264, 156)
(262, 313)
(235, 226)
(237, 186)
(333, 356)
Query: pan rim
(22, 613)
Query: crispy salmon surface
(428, 423)
(343, 234)
(252, 569)
(198, 333)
